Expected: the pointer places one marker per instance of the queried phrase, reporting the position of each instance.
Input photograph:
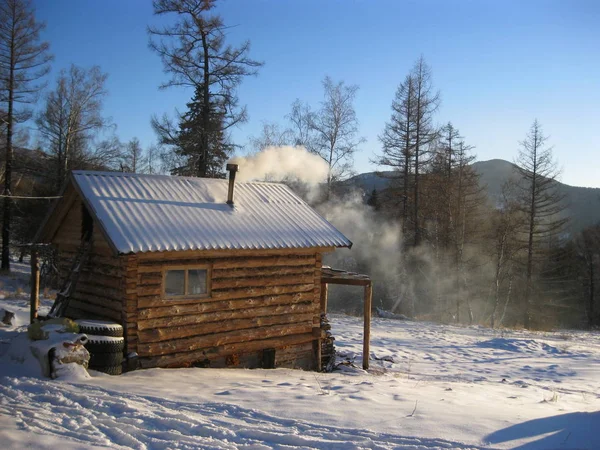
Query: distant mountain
(583, 204)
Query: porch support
(35, 285)
(334, 276)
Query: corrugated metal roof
(148, 213)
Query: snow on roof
(148, 213)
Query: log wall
(99, 290)
(258, 301)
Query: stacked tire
(105, 345)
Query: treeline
(459, 256)
(448, 254)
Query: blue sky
(498, 65)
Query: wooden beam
(324, 296)
(236, 253)
(35, 285)
(367, 326)
(346, 281)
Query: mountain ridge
(583, 203)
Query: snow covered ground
(431, 387)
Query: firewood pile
(327, 347)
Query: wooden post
(317, 352)
(367, 327)
(324, 287)
(35, 285)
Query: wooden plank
(164, 308)
(216, 316)
(218, 339)
(241, 253)
(265, 261)
(346, 281)
(94, 309)
(103, 302)
(217, 352)
(230, 294)
(368, 293)
(218, 274)
(199, 331)
(98, 291)
(230, 283)
(323, 297)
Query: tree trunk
(9, 159)
(205, 108)
(592, 293)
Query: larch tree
(194, 53)
(24, 61)
(71, 117)
(335, 128)
(541, 202)
(426, 103)
(397, 140)
(466, 207)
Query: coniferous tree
(541, 203)
(426, 104)
(24, 60)
(194, 53)
(397, 140)
(188, 142)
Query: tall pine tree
(194, 53)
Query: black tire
(105, 344)
(99, 328)
(110, 370)
(106, 359)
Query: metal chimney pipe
(232, 169)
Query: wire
(29, 198)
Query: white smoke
(376, 242)
(282, 163)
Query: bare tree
(133, 157)
(540, 201)
(194, 53)
(24, 60)
(336, 129)
(152, 157)
(300, 125)
(71, 116)
(506, 221)
(587, 248)
(397, 140)
(426, 103)
(271, 136)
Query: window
(186, 282)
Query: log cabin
(195, 277)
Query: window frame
(186, 269)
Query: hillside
(430, 387)
(583, 203)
